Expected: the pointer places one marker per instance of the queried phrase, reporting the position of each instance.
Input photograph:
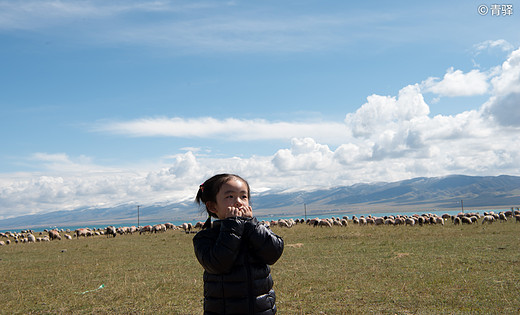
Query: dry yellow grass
(357, 270)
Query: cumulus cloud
(458, 83)
(382, 112)
(507, 79)
(505, 110)
(305, 154)
(503, 106)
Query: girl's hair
(209, 189)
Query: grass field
(451, 269)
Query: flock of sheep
(416, 219)
(28, 236)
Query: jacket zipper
(249, 282)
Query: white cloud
(489, 44)
(229, 129)
(507, 79)
(504, 110)
(305, 154)
(458, 83)
(61, 162)
(185, 165)
(380, 112)
(349, 153)
(503, 106)
(498, 81)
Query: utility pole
(305, 209)
(462, 206)
(138, 216)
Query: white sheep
(111, 231)
(439, 220)
(284, 223)
(409, 221)
(488, 218)
(54, 235)
(466, 220)
(148, 228)
(389, 222)
(31, 238)
(325, 222)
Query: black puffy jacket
(235, 254)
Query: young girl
(236, 251)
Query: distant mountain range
(417, 194)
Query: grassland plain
(451, 269)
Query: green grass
(358, 270)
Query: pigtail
(200, 195)
(207, 224)
(201, 199)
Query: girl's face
(232, 195)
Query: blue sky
(111, 102)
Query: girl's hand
(247, 211)
(233, 212)
(244, 211)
